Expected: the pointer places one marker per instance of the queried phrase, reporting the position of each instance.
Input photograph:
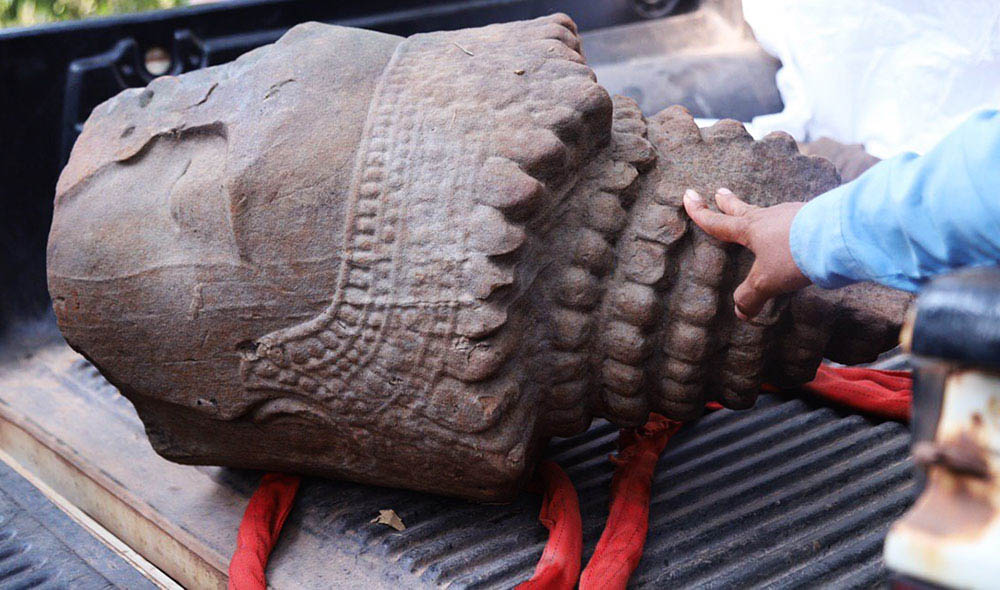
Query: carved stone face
(410, 262)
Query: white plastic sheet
(894, 75)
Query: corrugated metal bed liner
(788, 494)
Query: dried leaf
(389, 518)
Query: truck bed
(787, 494)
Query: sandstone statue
(410, 262)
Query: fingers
(731, 204)
(751, 295)
(732, 224)
(728, 228)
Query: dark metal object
(40, 547)
(958, 319)
(958, 314)
(947, 539)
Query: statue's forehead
(340, 65)
(279, 126)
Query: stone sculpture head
(410, 262)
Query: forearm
(908, 218)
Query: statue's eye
(197, 201)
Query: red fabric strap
(886, 394)
(265, 514)
(620, 547)
(559, 567)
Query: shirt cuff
(818, 245)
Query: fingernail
(740, 314)
(723, 191)
(692, 196)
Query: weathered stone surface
(851, 159)
(410, 262)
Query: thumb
(751, 295)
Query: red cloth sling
(886, 394)
(262, 521)
(559, 567)
(620, 547)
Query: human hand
(764, 231)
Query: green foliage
(15, 13)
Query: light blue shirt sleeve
(910, 217)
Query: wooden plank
(94, 459)
(62, 421)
